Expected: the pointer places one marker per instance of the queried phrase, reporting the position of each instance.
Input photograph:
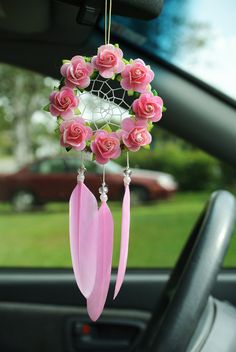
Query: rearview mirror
(89, 10)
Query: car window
(170, 184)
(198, 36)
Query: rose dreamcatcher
(104, 105)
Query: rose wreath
(91, 227)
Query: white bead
(127, 180)
(103, 197)
(80, 178)
(127, 172)
(103, 189)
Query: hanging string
(127, 160)
(82, 160)
(103, 190)
(103, 175)
(82, 169)
(107, 21)
(105, 24)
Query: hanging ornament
(104, 105)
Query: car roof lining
(40, 16)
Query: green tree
(22, 93)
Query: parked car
(53, 179)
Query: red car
(52, 180)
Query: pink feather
(124, 247)
(97, 299)
(83, 237)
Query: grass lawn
(158, 232)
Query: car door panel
(41, 327)
(42, 310)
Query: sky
(199, 36)
(217, 59)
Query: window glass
(170, 184)
(198, 36)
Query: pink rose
(105, 146)
(63, 102)
(77, 72)
(148, 106)
(135, 134)
(136, 76)
(108, 60)
(74, 133)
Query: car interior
(189, 308)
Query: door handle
(104, 336)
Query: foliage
(228, 174)
(193, 169)
(22, 93)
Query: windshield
(198, 36)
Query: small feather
(97, 299)
(124, 247)
(83, 237)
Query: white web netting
(104, 103)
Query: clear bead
(82, 170)
(103, 189)
(127, 180)
(80, 176)
(127, 172)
